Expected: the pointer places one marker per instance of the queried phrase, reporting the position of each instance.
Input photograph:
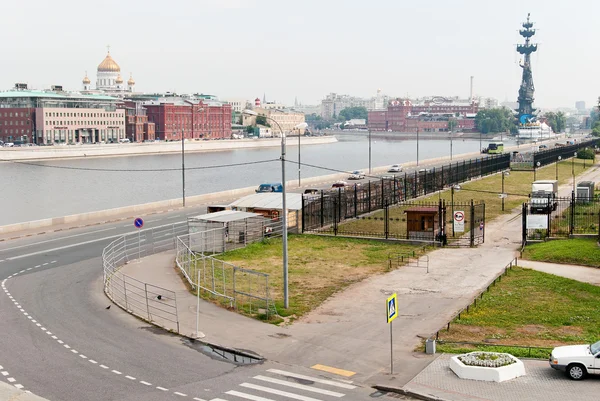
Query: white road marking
(162, 389)
(38, 266)
(180, 394)
(10, 379)
(56, 239)
(247, 396)
(299, 386)
(116, 372)
(29, 268)
(83, 356)
(145, 383)
(54, 338)
(37, 324)
(198, 399)
(74, 351)
(130, 378)
(49, 333)
(66, 346)
(278, 392)
(45, 264)
(92, 361)
(19, 386)
(314, 379)
(54, 261)
(4, 373)
(104, 367)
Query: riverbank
(152, 148)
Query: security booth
(270, 205)
(585, 191)
(422, 222)
(225, 230)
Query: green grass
(529, 308)
(318, 266)
(517, 185)
(577, 251)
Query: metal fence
(235, 287)
(558, 153)
(152, 303)
(335, 206)
(565, 217)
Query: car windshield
(356, 172)
(265, 188)
(595, 348)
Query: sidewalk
(584, 274)
(349, 330)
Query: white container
(500, 374)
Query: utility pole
(183, 166)
(417, 145)
(369, 151)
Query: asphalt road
(58, 340)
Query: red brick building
(137, 126)
(431, 115)
(17, 125)
(194, 119)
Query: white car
(356, 175)
(396, 168)
(577, 360)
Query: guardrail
(152, 303)
(410, 259)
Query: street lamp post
(450, 144)
(559, 158)
(417, 145)
(573, 169)
(183, 166)
(369, 151)
(284, 229)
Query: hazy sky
(308, 48)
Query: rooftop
(224, 216)
(270, 200)
(52, 95)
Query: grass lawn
(530, 308)
(577, 251)
(318, 266)
(517, 185)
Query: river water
(38, 192)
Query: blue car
(276, 187)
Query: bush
(586, 153)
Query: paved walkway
(584, 274)
(541, 382)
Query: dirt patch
(531, 329)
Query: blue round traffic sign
(139, 222)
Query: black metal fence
(327, 211)
(563, 218)
(558, 153)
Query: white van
(124, 140)
(9, 145)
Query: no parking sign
(459, 221)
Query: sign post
(139, 223)
(391, 309)
(459, 221)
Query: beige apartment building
(286, 119)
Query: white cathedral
(108, 79)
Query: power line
(138, 170)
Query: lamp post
(417, 144)
(450, 144)
(183, 166)
(573, 169)
(283, 206)
(300, 127)
(559, 158)
(369, 151)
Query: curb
(410, 393)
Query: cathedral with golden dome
(109, 79)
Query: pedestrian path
(584, 274)
(275, 384)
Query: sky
(307, 49)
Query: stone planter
(483, 373)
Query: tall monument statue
(526, 112)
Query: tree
(262, 120)
(353, 112)
(494, 120)
(556, 121)
(317, 122)
(452, 123)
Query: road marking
(145, 383)
(104, 367)
(314, 379)
(29, 268)
(4, 373)
(66, 346)
(180, 394)
(247, 396)
(54, 338)
(278, 392)
(83, 356)
(56, 239)
(199, 399)
(162, 388)
(49, 333)
(45, 264)
(298, 386)
(19, 386)
(116, 372)
(74, 351)
(336, 371)
(38, 266)
(92, 361)
(130, 378)
(10, 379)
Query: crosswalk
(276, 385)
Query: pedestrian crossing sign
(391, 307)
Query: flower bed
(487, 359)
(487, 366)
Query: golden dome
(119, 80)
(86, 80)
(109, 65)
(130, 82)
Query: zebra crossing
(279, 385)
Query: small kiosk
(422, 222)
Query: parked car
(8, 145)
(356, 175)
(276, 187)
(396, 168)
(577, 360)
(311, 191)
(339, 184)
(543, 147)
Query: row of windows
(60, 123)
(79, 114)
(10, 131)
(16, 114)
(15, 122)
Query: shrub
(487, 359)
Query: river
(34, 192)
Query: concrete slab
(8, 392)
(584, 274)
